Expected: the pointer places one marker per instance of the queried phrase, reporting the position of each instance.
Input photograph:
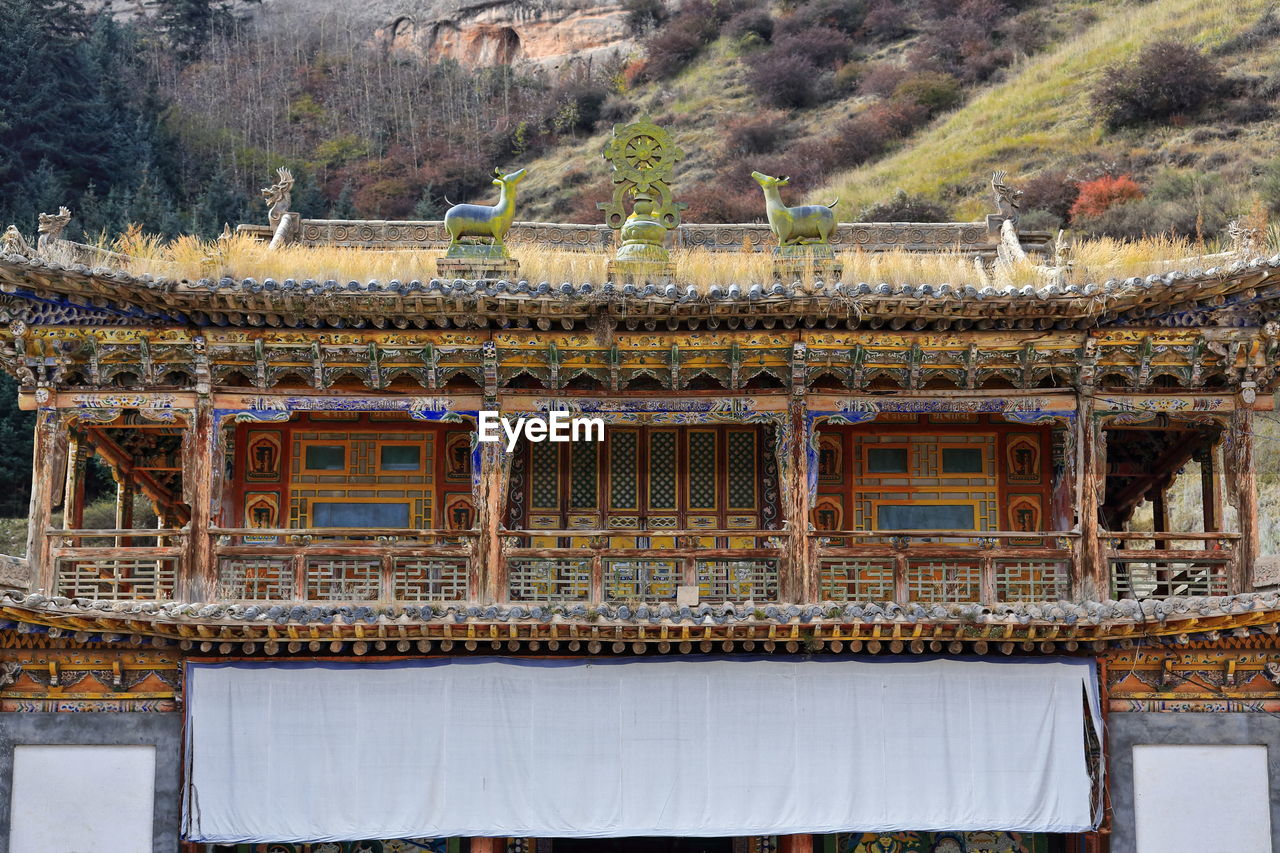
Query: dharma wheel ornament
(803, 232)
(477, 232)
(642, 155)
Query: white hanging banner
(694, 746)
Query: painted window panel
(662, 470)
(962, 460)
(742, 469)
(702, 470)
(545, 475)
(886, 460)
(623, 483)
(326, 457)
(399, 457)
(356, 514)
(584, 491)
(925, 517)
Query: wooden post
(1159, 516)
(798, 582)
(795, 843)
(50, 447)
(1244, 487)
(488, 845)
(1210, 493)
(124, 509)
(486, 576)
(78, 452)
(1093, 574)
(200, 448)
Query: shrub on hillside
(882, 78)
(885, 21)
(1052, 191)
(823, 46)
(754, 134)
(673, 46)
(1167, 79)
(644, 15)
(1269, 186)
(1178, 202)
(784, 80)
(753, 25)
(903, 207)
(1098, 196)
(935, 91)
(844, 15)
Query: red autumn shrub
(1100, 195)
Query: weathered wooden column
(488, 845)
(49, 453)
(200, 455)
(1210, 489)
(486, 576)
(1242, 487)
(798, 582)
(78, 453)
(1093, 576)
(795, 843)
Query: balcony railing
(597, 572)
(1145, 565)
(117, 565)
(947, 567)
(438, 566)
(342, 564)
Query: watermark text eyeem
(556, 426)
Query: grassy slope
(1040, 112)
(1037, 116)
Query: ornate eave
(278, 627)
(40, 292)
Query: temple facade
(852, 568)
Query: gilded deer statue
(806, 225)
(484, 223)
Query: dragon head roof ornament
(279, 196)
(1008, 199)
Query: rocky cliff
(548, 32)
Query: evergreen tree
(17, 430)
(345, 206)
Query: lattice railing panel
(343, 578)
(869, 579)
(429, 579)
(256, 579)
(738, 580)
(641, 580)
(947, 582)
(1146, 578)
(538, 579)
(1031, 580)
(115, 579)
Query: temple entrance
(643, 845)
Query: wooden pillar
(799, 582)
(1093, 574)
(200, 448)
(795, 844)
(1244, 489)
(1159, 515)
(78, 453)
(488, 845)
(1210, 492)
(124, 508)
(486, 576)
(48, 453)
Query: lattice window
(343, 578)
(702, 470)
(742, 469)
(534, 579)
(1147, 578)
(622, 469)
(640, 580)
(545, 476)
(944, 582)
(429, 579)
(256, 579)
(583, 467)
(662, 470)
(1031, 580)
(738, 580)
(110, 579)
(857, 580)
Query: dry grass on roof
(242, 256)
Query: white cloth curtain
(679, 747)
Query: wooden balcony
(414, 567)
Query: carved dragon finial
(1244, 238)
(279, 196)
(51, 227)
(14, 243)
(1008, 199)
